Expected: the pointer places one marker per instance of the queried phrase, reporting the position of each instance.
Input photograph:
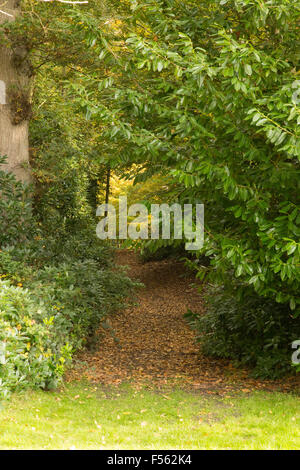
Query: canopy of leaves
(207, 92)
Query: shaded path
(155, 345)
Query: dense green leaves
(205, 92)
(210, 97)
(15, 209)
(54, 294)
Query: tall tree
(14, 99)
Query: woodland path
(155, 344)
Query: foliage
(252, 332)
(207, 92)
(60, 282)
(218, 108)
(50, 308)
(66, 157)
(15, 209)
(27, 338)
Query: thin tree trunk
(14, 100)
(107, 187)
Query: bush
(55, 292)
(48, 313)
(253, 332)
(15, 209)
(151, 253)
(50, 309)
(27, 337)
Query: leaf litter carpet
(153, 345)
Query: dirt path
(155, 345)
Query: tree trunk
(14, 100)
(107, 187)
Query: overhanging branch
(7, 14)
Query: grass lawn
(83, 416)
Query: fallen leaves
(156, 346)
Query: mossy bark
(14, 106)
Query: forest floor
(153, 344)
(152, 389)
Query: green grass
(85, 417)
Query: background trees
(57, 280)
(207, 92)
(204, 95)
(15, 108)
(214, 104)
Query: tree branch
(66, 1)
(8, 14)
(75, 2)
